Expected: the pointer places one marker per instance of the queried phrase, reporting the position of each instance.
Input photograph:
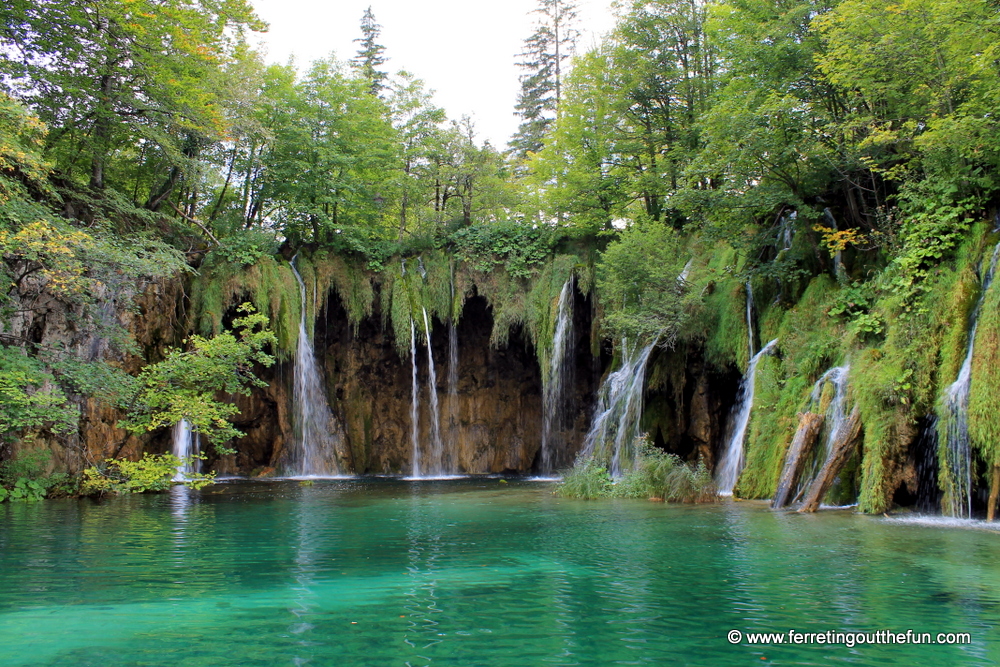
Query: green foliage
(24, 478)
(29, 465)
(984, 399)
(779, 395)
(518, 248)
(185, 384)
(247, 247)
(637, 279)
(26, 490)
(659, 475)
(30, 398)
(270, 286)
(588, 480)
(656, 475)
(151, 473)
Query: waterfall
(414, 401)
(685, 271)
(452, 424)
(553, 401)
(619, 410)
(732, 457)
(437, 447)
(955, 420)
(185, 445)
(835, 417)
(314, 448)
(750, 336)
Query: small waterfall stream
(955, 418)
(414, 401)
(185, 444)
(437, 464)
(314, 446)
(452, 425)
(835, 418)
(619, 410)
(732, 458)
(553, 400)
(750, 335)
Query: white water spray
(732, 458)
(553, 400)
(437, 463)
(414, 401)
(619, 411)
(955, 418)
(314, 447)
(185, 444)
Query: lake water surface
(475, 572)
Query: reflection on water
(474, 572)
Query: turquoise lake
(475, 572)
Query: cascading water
(314, 448)
(732, 458)
(414, 401)
(835, 416)
(954, 421)
(553, 401)
(185, 444)
(452, 373)
(437, 464)
(619, 410)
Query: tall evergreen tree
(544, 53)
(371, 54)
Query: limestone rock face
(491, 423)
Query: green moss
(984, 397)
(352, 282)
(777, 401)
(720, 321)
(269, 284)
(810, 339)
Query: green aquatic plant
(655, 474)
(588, 480)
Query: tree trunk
(805, 437)
(102, 132)
(840, 452)
(991, 507)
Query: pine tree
(371, 54)
(545, 52)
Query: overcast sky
(463, 49)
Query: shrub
(588, 479)
(153, 472)
(655, 475)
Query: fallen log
(841, 450)
(798, 451)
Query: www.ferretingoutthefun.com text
(849, 639)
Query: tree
(371, 54)
(545, 52)
(417, 121)
(638, 280)
(185, 384)
(334, 158)
(133, 73)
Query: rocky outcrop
(491, 424)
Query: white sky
(463, 49)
